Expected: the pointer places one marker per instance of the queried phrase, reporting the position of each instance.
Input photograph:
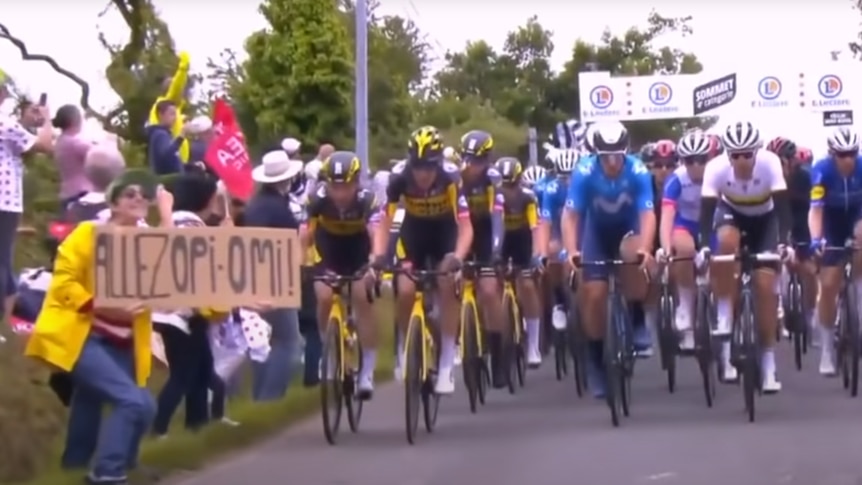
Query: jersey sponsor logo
(435, 205)
(613, 206)
(639, 168)
(817, 192)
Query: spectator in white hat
(291, 146)
(273, 207)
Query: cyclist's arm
(571, 215)
(708, 201)
(781, 199)
(645, 204)
(670, 196)
(461, 210)
(815, 207)
(374, 215)
(495, 197)
(542, 238)
(381, 235)
(531, 215)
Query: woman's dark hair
(67, 116)
(192, 191)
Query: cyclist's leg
(356, 255)
(593, 293)
(806, 270)
(488, 297)
(836, 231)
(518, 246)
(410, 252)
(327, 249)
(555, 280)
(762, 235)
(682, 275)
(724, 284)
(442, 243)
(637, 286)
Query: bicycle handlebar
(767, 257)
(337, 282)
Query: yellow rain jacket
(176, 93)
(61, 329)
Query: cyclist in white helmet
(744, 200)
(678, 226)
(533, 175)
(835, 216)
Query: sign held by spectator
(171, 269)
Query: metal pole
(361, 85)
(533, 140)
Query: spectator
(107, 351)
(186, 334)
(15, 142)
(291, 146)
(162, 146)
(200, 132)
(272, 207)
(175, 89)
(69, 153)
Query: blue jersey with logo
(834, 192)
(610, 201)
(552, 202)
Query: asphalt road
(809, 434)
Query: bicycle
(794, 317)
(514, 347)
(619, 352)
(668, 340)
(848, 337)
(558, 336)
(576, 343)
(342, 358)
(704, 350)
(745, 345)
(474, 363)
(421, 348)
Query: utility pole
(360, 100)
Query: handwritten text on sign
(193, 267)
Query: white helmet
(533, 174)
(692, 144)
(610, 137)
(843, 139)
(740, 137)
(312, 169)
(565, 160)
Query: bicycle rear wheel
(470, 364)
(510, 343)
(853, 340)
(331, 389)
(576, 345)
(352, 400)
(430, 399)
(703, 346)
(413, 379)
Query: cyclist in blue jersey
(553, 198)
(833, 218)
(532, 176)
(678, 226)
(610, 198)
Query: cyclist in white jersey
(679, 231)
(744, 199)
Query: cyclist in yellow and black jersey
(436, 230)
(521, 215)
(342, 218)
(481, 186)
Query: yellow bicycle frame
(468, 295)
(418, 314)
(509, 290)
(336, 314)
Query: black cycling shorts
(481, 250)
(759, 233)
(424, 243)
(342, 255)
(518, 247)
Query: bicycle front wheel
(749, 356)
(331, 389)
(510, 344)
(853, 341)
(414, 378)
(703, 346)
(471, 361)
(667, 340)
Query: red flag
(223, 116)
(228, 157)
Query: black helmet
(341, 167)
(476, 145)
(510, 169)
(425, 146)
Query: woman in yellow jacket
(106, 351)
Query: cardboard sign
(177, 268)
(817, 88)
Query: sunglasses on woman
(695, 160)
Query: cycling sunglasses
(852, 154)
(663, 165)
(695, 160)
(740, 155)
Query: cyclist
(341, 221)
(532, 176)
(436, 229)
(610, 197)
(798, 178)
(834, 217)
(520, 219)
(569, 134)
(678, 227)
(744, 199)
(548, 237)
(481, 185)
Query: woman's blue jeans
(104, 374)
(272, 378)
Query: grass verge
(184, 451)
